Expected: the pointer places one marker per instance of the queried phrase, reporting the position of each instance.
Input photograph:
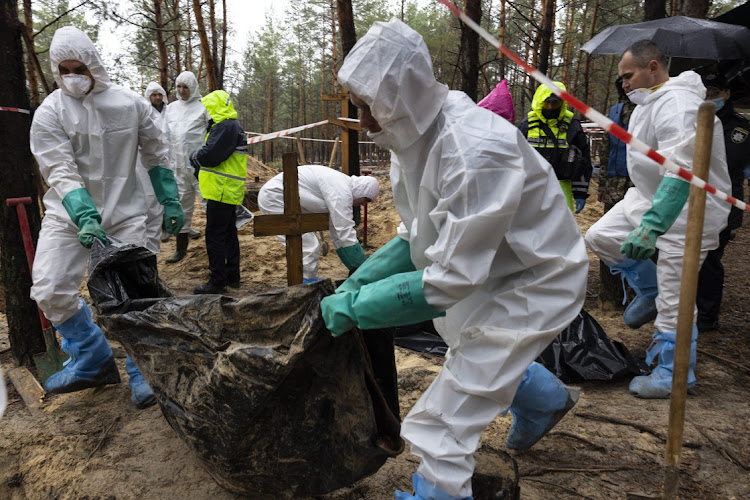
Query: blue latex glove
(747, 172)
(82, 211)
(580, 203)
(669, 200)
(393, 258)
(165, 188)
(352, 256)
(394, 301)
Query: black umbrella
(677, 36)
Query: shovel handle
(28, 244)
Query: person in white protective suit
(187, 120)
(157, 98)
(86, 136)
(653, 214)
(486, 246)
(322, 189)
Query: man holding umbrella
(653, 214)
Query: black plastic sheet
(271, 404)
(584, 352)
(581, 352)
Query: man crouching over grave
(323, 189)
(487, 247)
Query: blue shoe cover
(641, 311)
(641, 276)
(541, 401)
(140, 393)
(306, 281)
(425, 491)
(91, 362)
(658, 385)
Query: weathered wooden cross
(293, 224)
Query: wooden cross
(293, 224)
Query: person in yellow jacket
(221, 166)
(552, 130)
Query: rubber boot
(425, 491)
(194, 235)
(641, 276)
(180, 248)
(658, 385)
(140, 393)
(541, 401)
(91, 362)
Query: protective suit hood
(219, 106)
(155, 87)
(391, 71)
(541, 95)
(364, 187)
(72, 44)
(499, 101)
(189, 79)
(687, 80)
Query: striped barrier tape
(594, 115)
(16, 110)
(280, 133)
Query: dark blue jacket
(618, 161)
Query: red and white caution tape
(593, 114)
(15, 110)
(280, 133)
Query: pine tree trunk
(200, 26)
(224, 28)
(587, 64)
(468, 59)
(546, 29)
(161, 46)
(16, 168)
(654, 9)
(176, 15)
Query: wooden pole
(333, 152)
(301, 151)
(292, 206)
(688, 288)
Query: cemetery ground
(95, 444)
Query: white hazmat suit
(667, 123)
(187, 121)
(155, 210)
(88, 142)
(321, 189)
(487, 222)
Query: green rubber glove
(83, 213)
(394, 301)
(352, 256)
(165, 188)
(394, 257)
(669, 200)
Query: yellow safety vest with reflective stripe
(226, 181)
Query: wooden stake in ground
(688, 288)
(293, 224)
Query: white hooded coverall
(321, 189)
(188, 125)
(486, 219)
(90, 142)
(155, 210)
(666, 122)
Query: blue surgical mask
(719, 102)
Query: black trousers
(222, 244)
(711, 282)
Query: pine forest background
(278, 79)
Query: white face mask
(639, 96)
(78, 85)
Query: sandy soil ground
(95, 444)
